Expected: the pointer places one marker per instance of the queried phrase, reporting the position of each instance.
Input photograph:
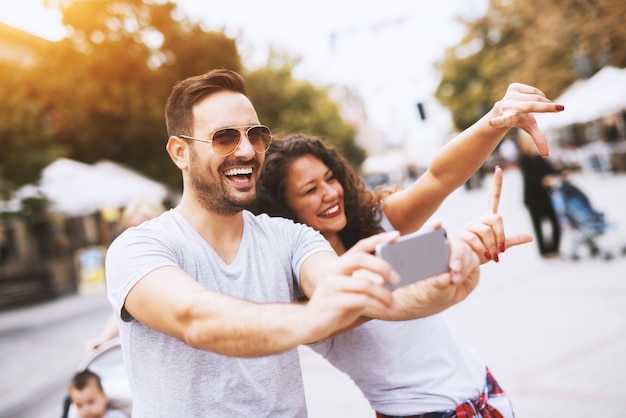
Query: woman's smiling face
(314, 195)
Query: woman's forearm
(461, 157)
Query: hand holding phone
(417, 256)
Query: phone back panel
(417, 256)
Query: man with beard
(204, 293)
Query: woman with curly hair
(362, 205)
(404, 368)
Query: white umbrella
(78, 189)
(604, 94)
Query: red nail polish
(501, 247)
(487, 255)
(495, 258)
(560, 107)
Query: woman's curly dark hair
(362, 207)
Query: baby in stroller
(88, 396)
(105, 362)
(579, 216)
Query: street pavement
(552, 331)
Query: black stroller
(578, 215)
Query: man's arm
(416, 300)
(170, 301)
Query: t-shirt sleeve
(301, 241)
(134, 254)
(309, 242)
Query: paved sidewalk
(40, 347)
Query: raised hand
(516, 110)
(485, 233)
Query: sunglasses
(225, 141)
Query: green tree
(290, 105)
(100, 93)
(550, 49)
(128, 54)
(27, 129)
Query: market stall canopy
(78, 189)
(602, 95)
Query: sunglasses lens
(260, 138)
(225, 141)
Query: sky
(383, 50)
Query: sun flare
(33, 17)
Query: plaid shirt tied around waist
(472, 408)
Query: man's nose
(244, 148)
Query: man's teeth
(330, 211)
(238, 171)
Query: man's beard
(214, 194)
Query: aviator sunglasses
(226, 140)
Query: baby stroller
(106, 361)
(585, 223)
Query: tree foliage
(100, 92)
(545, 44)
(291, 105)
(27, 129)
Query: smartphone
(417, 256)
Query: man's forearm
(244, 329)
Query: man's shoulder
(163, 226)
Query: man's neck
(222, 232)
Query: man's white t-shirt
(170, 379)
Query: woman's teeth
(330, 211)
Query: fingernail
(394, 277)
(501, 247)
(495, 258)
(487, 255)
(560, 107)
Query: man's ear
(178, 149)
